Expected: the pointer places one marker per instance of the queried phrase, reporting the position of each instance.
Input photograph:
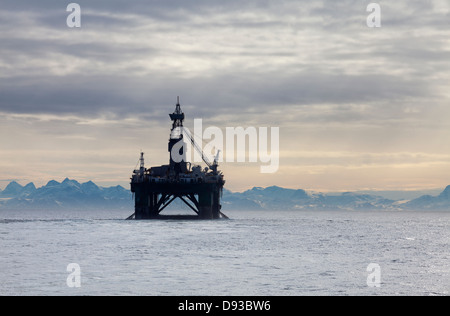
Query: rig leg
(205, 200)
(216, 204)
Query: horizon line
(328, 191)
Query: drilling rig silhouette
(154, 189)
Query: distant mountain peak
(70, 183)
(12, 188)
(29, 188)
(14, 183)
(30, 185)
(446, 193)
(90, 187)
(15, 189)
(52, 183)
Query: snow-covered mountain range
(277, 198)
(70, 194)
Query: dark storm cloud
(61, 95)
(106, 77)
(225, 94)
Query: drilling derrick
(176, 137)
(157, 187)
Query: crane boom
(212, 166)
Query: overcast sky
(357, 107)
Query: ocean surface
(254, 253)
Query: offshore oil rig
(154, 189)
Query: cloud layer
(312, 68)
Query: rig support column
(205, 205)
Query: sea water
(254, 253)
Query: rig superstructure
(157, 187)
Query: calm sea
(253, 253)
